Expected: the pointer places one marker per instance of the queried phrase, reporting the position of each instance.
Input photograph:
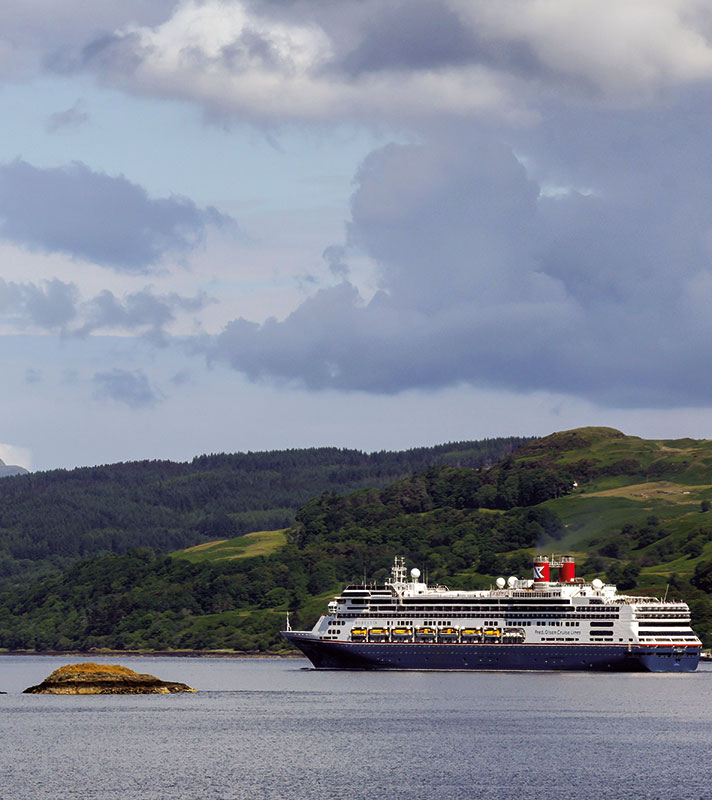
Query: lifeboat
(378, 634)
(401, 634)
(448, 635)
(359, 634)
(425, 634)
(492, 634)
(471, 635)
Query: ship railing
(630, 600)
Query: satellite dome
(597, 583)
(415, 573)
(511, 581)
(500, 583)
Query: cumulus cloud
(31, 30)
(51, 304)
(611, 49)
(549, 226)
(58, 306)
(278, 62)
(97, 218)
(131, 388)
(42, 23)
(401, 59)
(448, 224)
(487, 279)
(143, 310)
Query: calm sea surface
(268, 728)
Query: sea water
(274, 729)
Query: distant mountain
(7, 470)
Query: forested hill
(192, 601)
(634, 512)
(48, 519)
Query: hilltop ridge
(591, 453)
(574, 439)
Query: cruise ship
(521, 624)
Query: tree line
(48, 519)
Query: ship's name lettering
(557, 631)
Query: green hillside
(633, 511)
(641, 501)
(50, 519)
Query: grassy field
(259, 543)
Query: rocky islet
(89, 678)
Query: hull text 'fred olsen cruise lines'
(536, 624)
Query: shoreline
(150, 654)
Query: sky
(231, 225)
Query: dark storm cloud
(89, 215)
(122, 386)
(588, 272)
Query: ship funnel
(541, 570)
(567, 570)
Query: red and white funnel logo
(541, 570)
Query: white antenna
(289, 624)
(666, 591)
(398, 570)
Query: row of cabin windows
(682, 637)
(453, 604)
(493, 622)
(648, 623)
(473, 615)
(482, 607)
(478, 610)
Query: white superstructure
(568, 611)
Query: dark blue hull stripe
(325, 654)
